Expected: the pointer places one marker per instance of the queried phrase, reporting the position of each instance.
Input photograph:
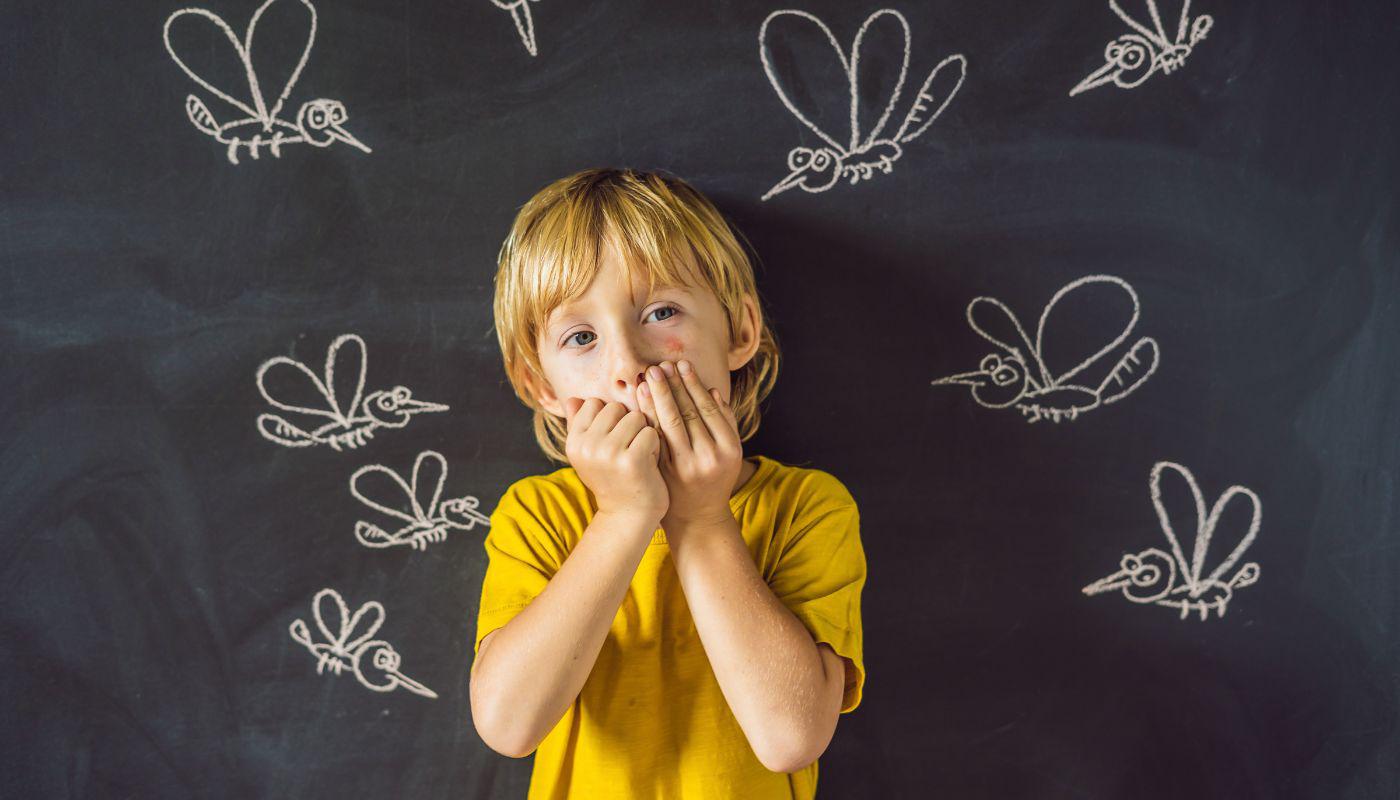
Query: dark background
(155, 548)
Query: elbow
(796, 755)
(500, 741)
(492, 728)
(786, 762)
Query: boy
(662, 618)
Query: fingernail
(666, 365)
(685, 367)
(654, 373)
(645, 390)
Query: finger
(583, 414)
(646, 441)
(696, 430)
(648, 406)
(726, 411)
(626, 429)
(710, 414)
(608, 417)
(669, 421)
(646, 402)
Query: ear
(746, 343)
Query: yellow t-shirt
(651, 721)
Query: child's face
(600, 343)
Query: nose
(628, 385)
(630, 372)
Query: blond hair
(552, 254)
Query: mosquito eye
(821, 160)
(386, 658)
(1146, 576)
(1127, 53)
(1004, 375)
(799, 157)
(338, 114)
(1129, 563)
(990, 363)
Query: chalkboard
(1206, 194)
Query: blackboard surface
(159, 547)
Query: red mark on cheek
(674, 346)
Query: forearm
(765, 660)
(538, 662)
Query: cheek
(674, 346)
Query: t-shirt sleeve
(820, 574)
(522, 552)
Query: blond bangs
(659, 227)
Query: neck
(745, 473)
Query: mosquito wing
(290, 385)
(346, 632)
(1083, 322)
(294, 21)
(810, 73)
(943, 82)
(997, 323)
(1145, 20)
(1255, 510)
(1180, 507)
(383, 490)
(429, 476)
(878, 68)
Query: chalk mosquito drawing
(1020, 376)
(318, 122)
(1152, 576)
(863, 152)
(524, 23)
(346, 416)
(338, 651)
(419, 511)
(1134, 57)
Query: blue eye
(570, 338)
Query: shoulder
(811, 488)
(550, 490)
(555, 503)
